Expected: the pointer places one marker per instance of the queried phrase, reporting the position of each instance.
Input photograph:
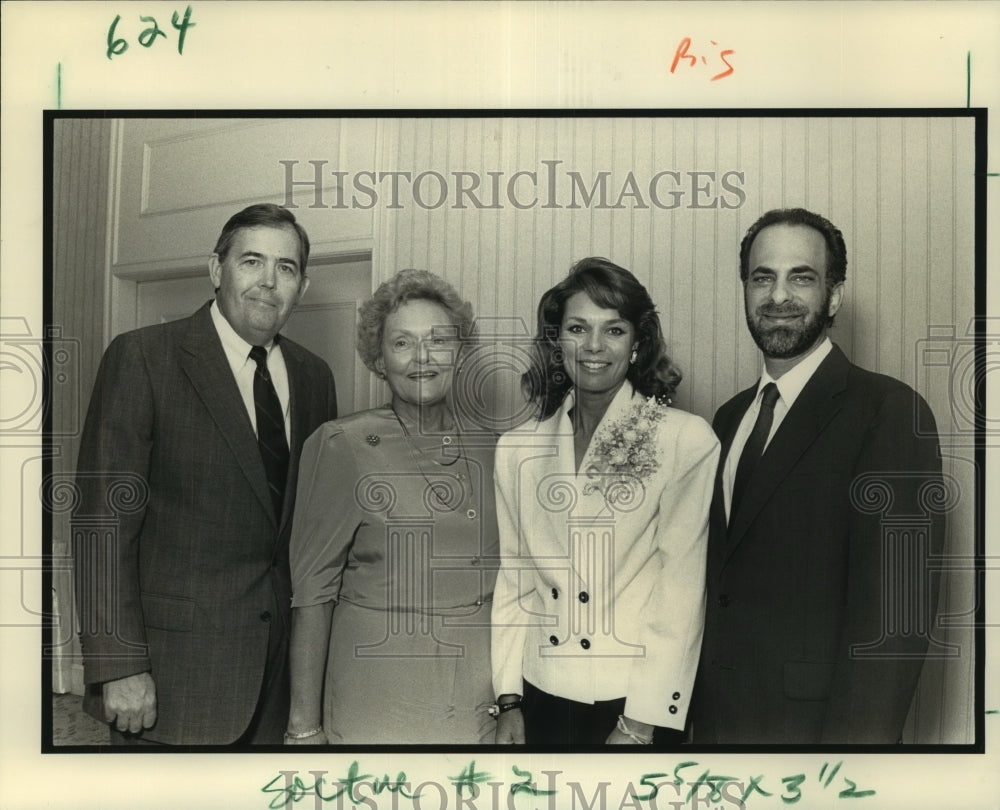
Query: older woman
(603, 515)
(394, 547)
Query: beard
(783, 342)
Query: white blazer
(601, 591)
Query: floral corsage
(625, 451)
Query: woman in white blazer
(602, 506)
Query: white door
(324, 322)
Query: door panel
(324, 322)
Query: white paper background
(456, 55)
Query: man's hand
(130, 703)
(510, 728)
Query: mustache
(782, 310)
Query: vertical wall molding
(80, 194)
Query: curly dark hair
(611, 287)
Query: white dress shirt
(238, 354)
(790, 385)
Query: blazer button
(265, 616)
(584, 597)
(585, 643)
(724, 600)
(555, 593)
(672, 710)
(553, 640)
(677, 695)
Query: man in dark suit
(186, 479)
(819, 599)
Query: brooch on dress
(372, 439)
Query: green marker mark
(968, 79)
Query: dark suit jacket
(819, 601)
(182, 565)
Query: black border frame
(979, 114)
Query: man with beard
(819, 597)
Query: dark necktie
(270, 429)
(754, 447)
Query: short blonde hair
(407, 285)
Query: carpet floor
(72, 726)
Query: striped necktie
(270, 429)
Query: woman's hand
(640, 732)
(510, 728)
(318, 737)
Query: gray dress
(400, 531)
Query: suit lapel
(205, 363)
(616, 408)
(808, 416)
(727, 431)
(725, 426)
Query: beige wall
(901, 189)
(81, 155)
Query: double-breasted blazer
(600, 593)
(181, 564)
(820, 598)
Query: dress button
(475, 561)
(584, 597)
(555, 593)
(479, 603)
(446, 440)
(471, 514)
(724, 600)
(265, 616)
(672, 710)
(677, 695)
(553, 640)
(585, 643)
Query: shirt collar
(236, 348)
(791, 383)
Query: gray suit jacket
(181, 563)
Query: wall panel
(81, 153)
